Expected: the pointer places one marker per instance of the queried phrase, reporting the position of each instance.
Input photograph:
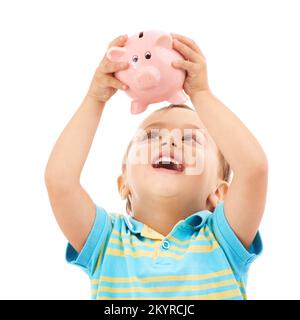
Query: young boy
(189, 234)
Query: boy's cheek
(195, 161)
(139, 154)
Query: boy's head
(172, 155)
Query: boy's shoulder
(116, 216)
(112, 216)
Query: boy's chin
(166, 188)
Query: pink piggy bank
(150, 76)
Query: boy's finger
(115, 83)
(184, 65)
(186, 51)
(187, 41)
(110, 67)
(119, 41)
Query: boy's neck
(164, 214)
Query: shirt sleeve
(239, 257)
(87, 258)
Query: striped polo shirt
(201, 258)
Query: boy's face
(172, 155)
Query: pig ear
(115, 53)
(165, 41)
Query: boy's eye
(135, 58)
(152, 134)
(190, 138)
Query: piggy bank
(150, 76)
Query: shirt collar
(193, 222)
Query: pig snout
(147, 77)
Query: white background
(48, 53)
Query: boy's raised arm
(73, 208)
(245, 201)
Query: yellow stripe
(134, 244)
(211, 296)
(242, 286)
(184, 288)
(118, 233)
(164, 278)
(142, 253)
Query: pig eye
(135, 58)
(148, 55)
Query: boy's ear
(218, 195)
(122, 188)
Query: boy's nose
(165, 142)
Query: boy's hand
(195, 64)
(104, 85)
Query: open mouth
(168, 163)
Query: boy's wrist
(94, 100)
(199, 95)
